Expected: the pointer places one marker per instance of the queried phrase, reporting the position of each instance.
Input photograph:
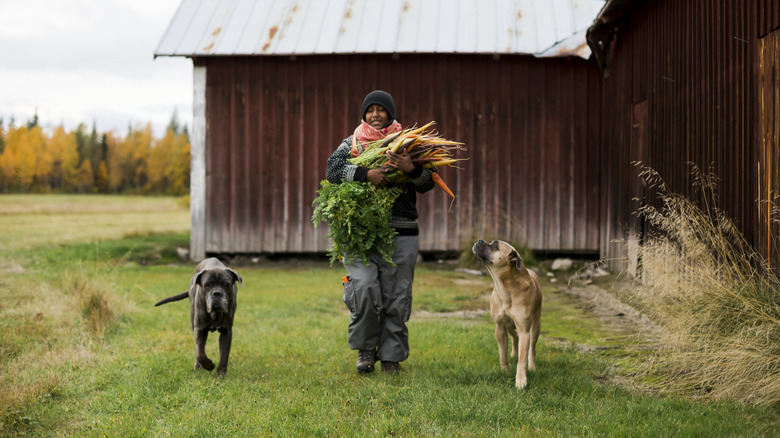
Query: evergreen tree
(2, 136)
(104, 147)
(94, 149)
(82, 141)
(173, 125)
(32, 123)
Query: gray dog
(212, 296)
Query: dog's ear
(196, 279)
(515, 258)
(236, 277)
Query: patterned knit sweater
(404, 214)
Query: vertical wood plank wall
(696, 63)
(768, 163)
(533, 174)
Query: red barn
(278, 84)
(691, 81)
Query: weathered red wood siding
(768, 160)
(533, 176)
(695, 66)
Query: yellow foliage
(84, 176)
(101, 179)
(32, 161)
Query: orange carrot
(440, 182)
(431, 152)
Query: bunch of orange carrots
(426, 149)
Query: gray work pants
(379, 299)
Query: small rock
(183, 253)
(562, 265)
(11, 268)
(470, 271)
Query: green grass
(291, 372)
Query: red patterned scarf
(366, 133)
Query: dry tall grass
(717, 299)
(94, 301)
(44, 340)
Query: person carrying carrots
(378, 294)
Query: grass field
(85, 353)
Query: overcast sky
(91, 61)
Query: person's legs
(363, 299)
(396, 285)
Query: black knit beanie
(379, 97)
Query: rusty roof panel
(233, 30)
(307, 27)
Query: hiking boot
(391, 367)
(366, 360)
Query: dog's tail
(181, 296)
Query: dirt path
(595, 292)
(615, 314)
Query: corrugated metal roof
(305, 27)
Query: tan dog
(515, 304)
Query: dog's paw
(221, 372)
(205, 364)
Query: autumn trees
(85, 161)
